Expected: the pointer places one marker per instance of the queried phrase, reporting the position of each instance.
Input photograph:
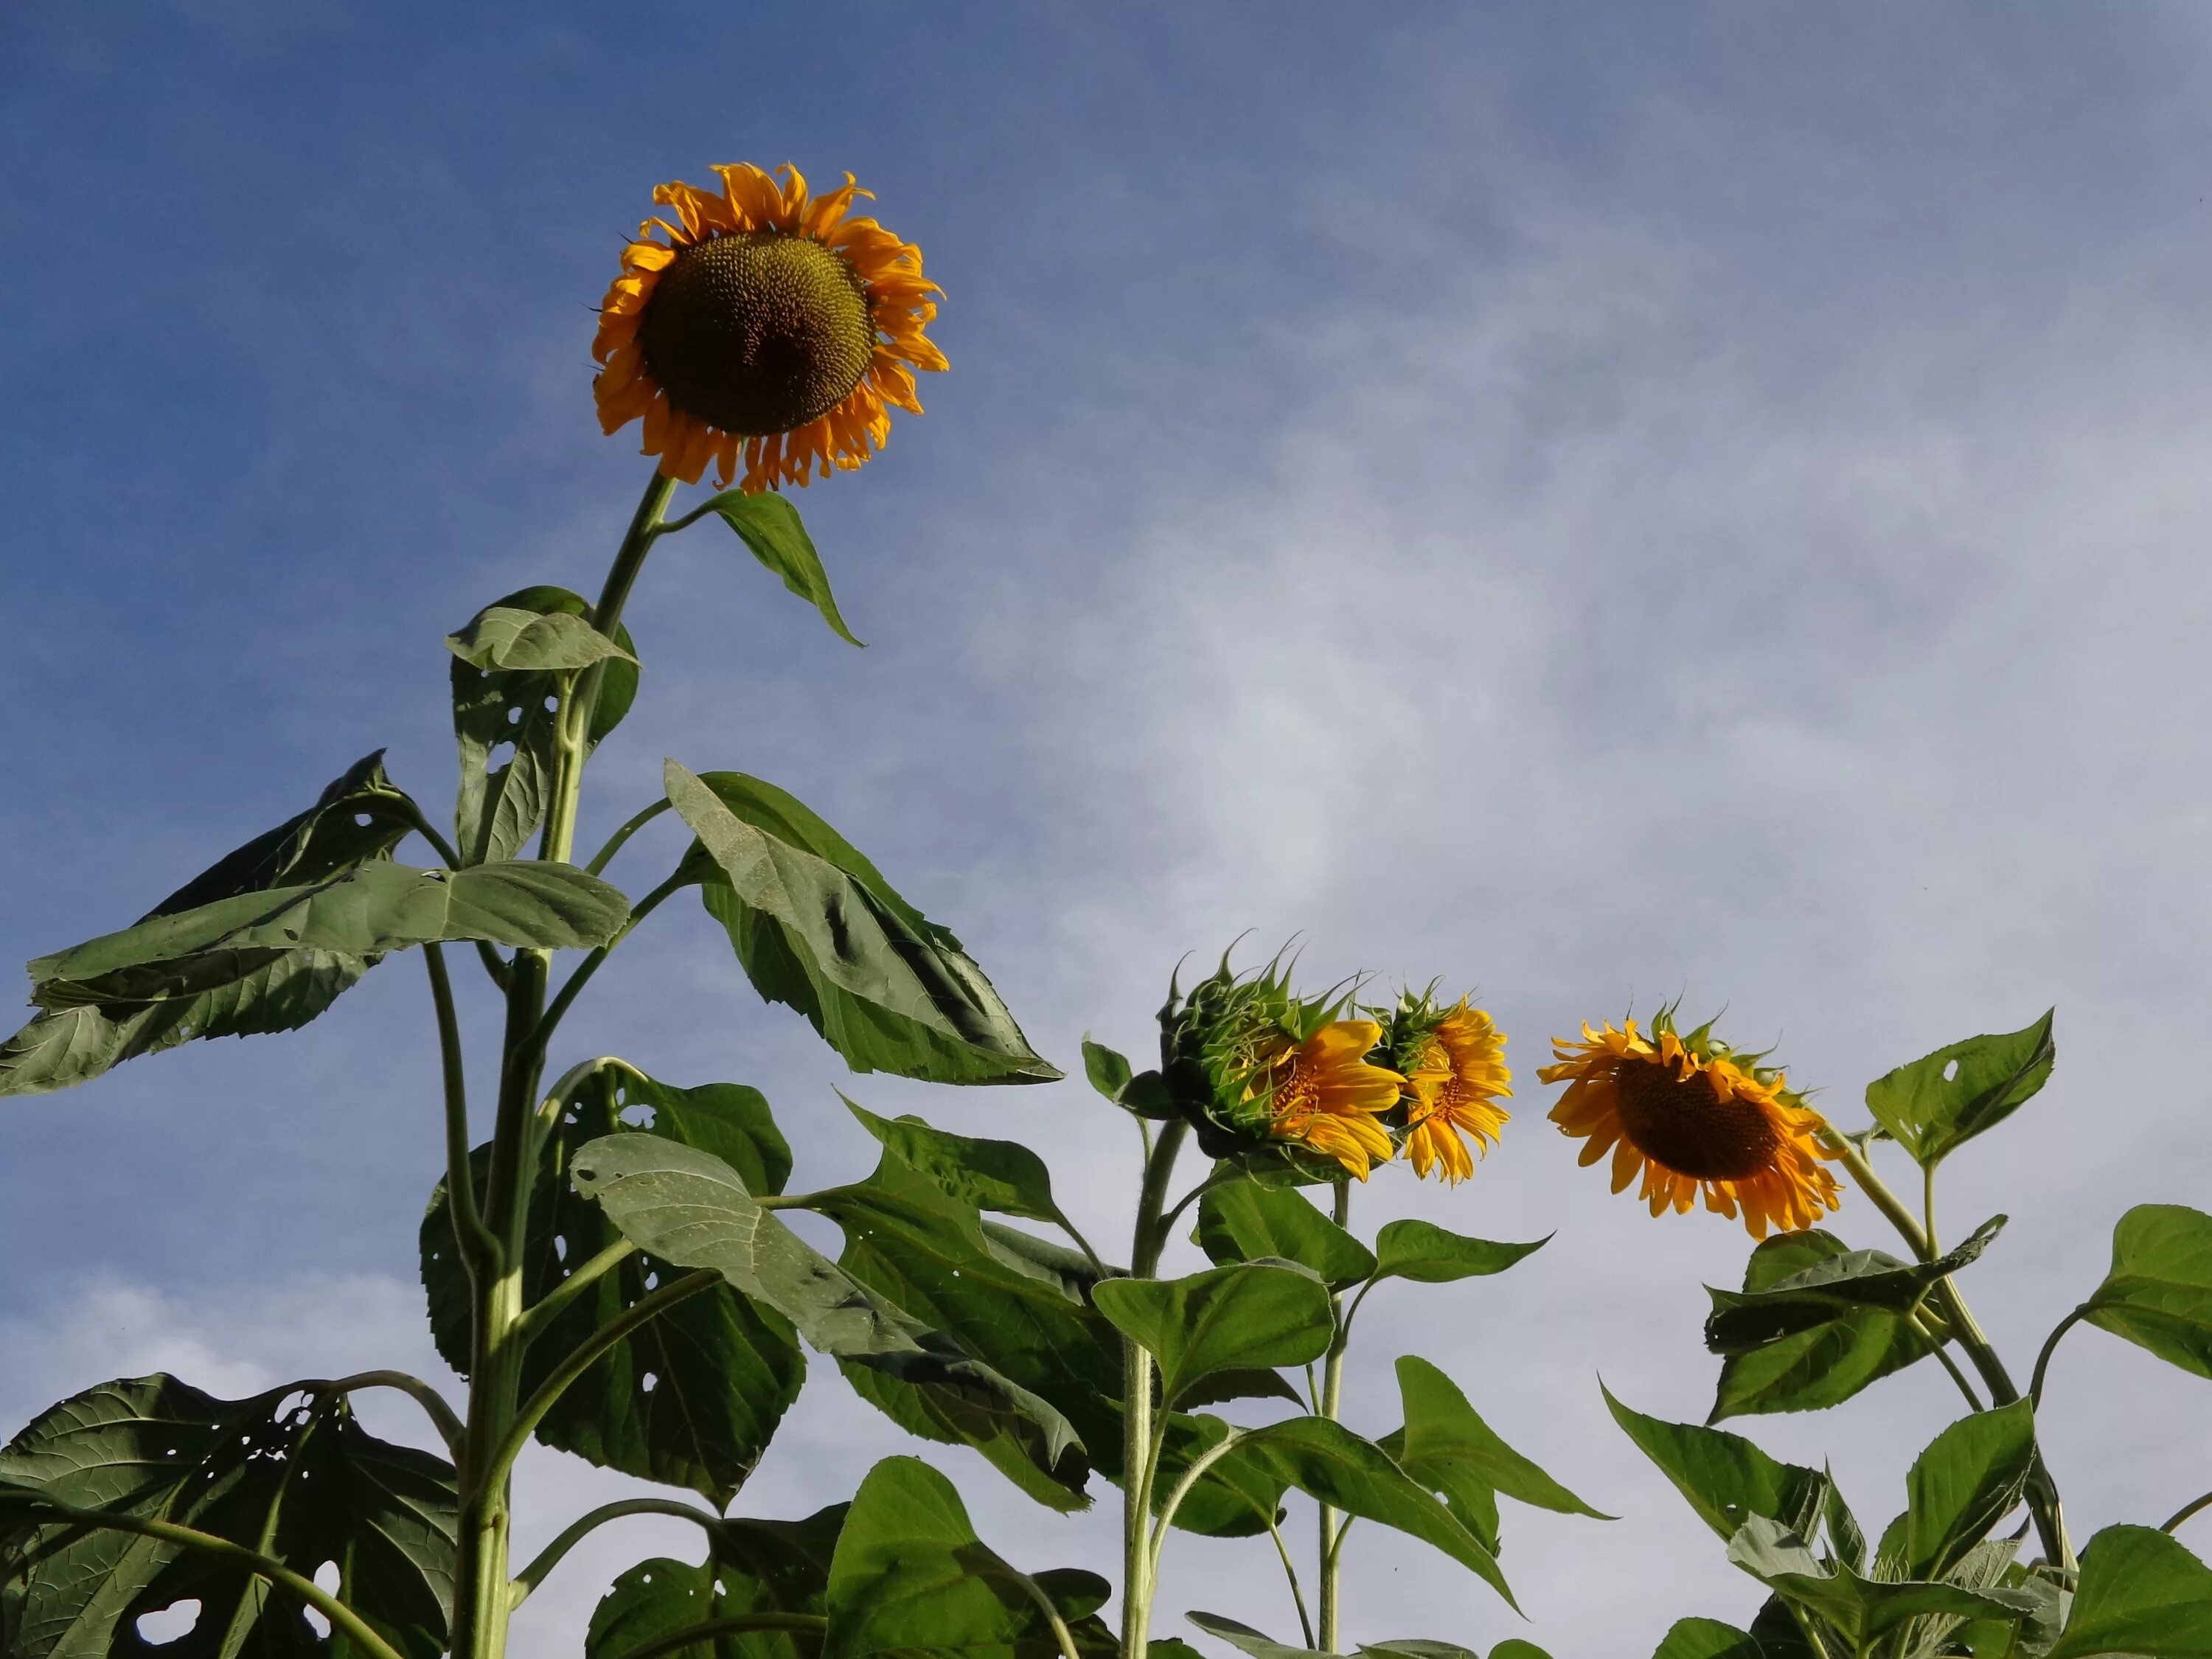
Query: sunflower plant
(1817, 1321)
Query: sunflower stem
(1332, 1399)
(2196, 1506)
(2043, 1501)
(1142, 1440)
(1291, 1572)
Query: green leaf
(2141, 1592)
(1109, 1071)
(910, 1576)
(1779, 1634)
(360, 816)
(817, 928)
(1237, 1495)
(1860, 1609)
(693, 1210)
(1447, 1443)
(992, 1174)
(363, 912)
(752, 1566)
(2159, 1292)
(1823, 1364)
(1969, 1479)
(292, 1476)
(1171, 1647)
(1259, 1315)
(1515, 1647)
(1328, 1462)
(1707, 1639)
(1742, 1320)
(1727, 1479)
(769, 525)
(500, 808)
(1421, 1647)
(509, 638)
(1428, 1254)
(1244, 1221)
(1940, 1102)
(1245, 1639)
(690, 1399)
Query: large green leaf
(1245, 1639)
(1970, 1478)
(499, 808)
(690, 1398)
(817, 928)
(1854, 1281)
(1428, 1255)
(292, 1476)
(2141, 1594)
(1727, 1479)
(1824, 1364)
(2159, 1292)
(361, 912)
(992, 1174)
(1707, 1639)
(1244, 1221)
(1328, 1462)
(771, 526)
(910, 1577)
(1015, 1302)
(1940, 1102)
(1860, 1609)
(692, 1209)
(1251, 1316)
(1448, 1447)
(506, 638)
(360, 816)
(751, 1566)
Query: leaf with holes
(1003, 1175)
(769, 525)
(1017, 1301)
(693, 1210)
(1940, 1102)
(1259, 1315)
(1727, 1479)
(301, 1482)
(359, 817)
(691, 1398)
(751, 1566)
(1244, 1221)
(2159, 1292)
(500, 807)
(1856, 1280)
(910, 1576)
(818, 929)
(1824, 1364)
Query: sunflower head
(1693, 1115)
(768, 327)
(1453, 1058)
(1266, 1075)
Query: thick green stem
(2042, 1491)
(441, 1415)
(581, 975)
(577, 1530)
(1332, 1401)
(483, 1601)
(1141, 1439)
(616, 842)
(2050, 1347)
(2195, 1507)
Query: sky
(1598, 503)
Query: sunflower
(1694, 1114)
(768, 325)
(1323, 1096)
(1454, 1074)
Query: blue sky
(1596, 502)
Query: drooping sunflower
(1454, 1060)
(1694, 1116)
(1323, 1095)
(770, 326)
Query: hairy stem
(549, 1557)
(1291, 1572)
(550, 1306)
(2042, 1491)
(1141, 1439)
(1060, 1633)
(1332, 1401)
(615, 843)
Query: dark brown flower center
(758, 333)
(1679, 1122)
